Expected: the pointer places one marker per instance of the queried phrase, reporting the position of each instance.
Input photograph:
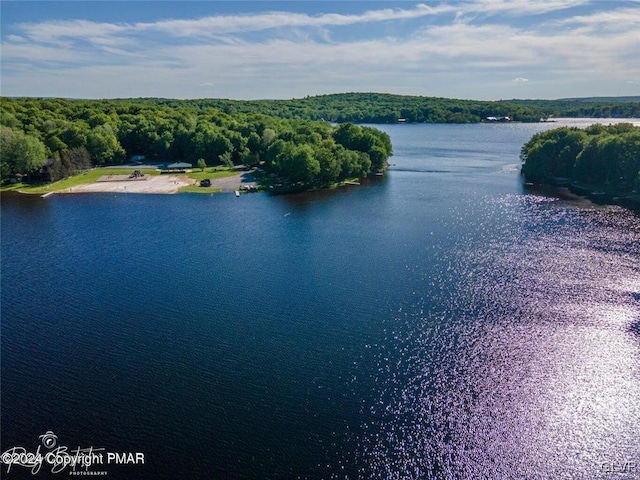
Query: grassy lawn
(89, 176)
(212, 172)
(198, 189)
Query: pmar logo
(125, 458)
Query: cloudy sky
(475, 49)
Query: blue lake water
(440, 322)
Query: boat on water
(237, 193)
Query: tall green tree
(552, 153)
(104, 147)
(20, 153)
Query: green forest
(50, 139)
(605, 158)
(388, 108)
(296, 140)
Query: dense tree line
(66, 136)
(624, 107)
(606, 157)
(374, 108)
(387, 108)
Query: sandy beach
(165, 184)
(151, 184)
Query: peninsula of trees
(602, 160)
(65, 137)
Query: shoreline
(577, 191)
(157, 184)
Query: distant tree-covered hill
(584, 108)
(635, 99)
(388, 108)
(374, 108)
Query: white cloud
(39, 53)
(215, 26)
(16, 38)
(227, 24)
(609, 20)
(58, 31)
(292, 52)
(518, 7)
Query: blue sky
(475, 49)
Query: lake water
(440, 322)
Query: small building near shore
(178, 167)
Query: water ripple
(527, 368)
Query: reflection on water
(528, 367)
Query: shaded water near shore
(438, 322)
